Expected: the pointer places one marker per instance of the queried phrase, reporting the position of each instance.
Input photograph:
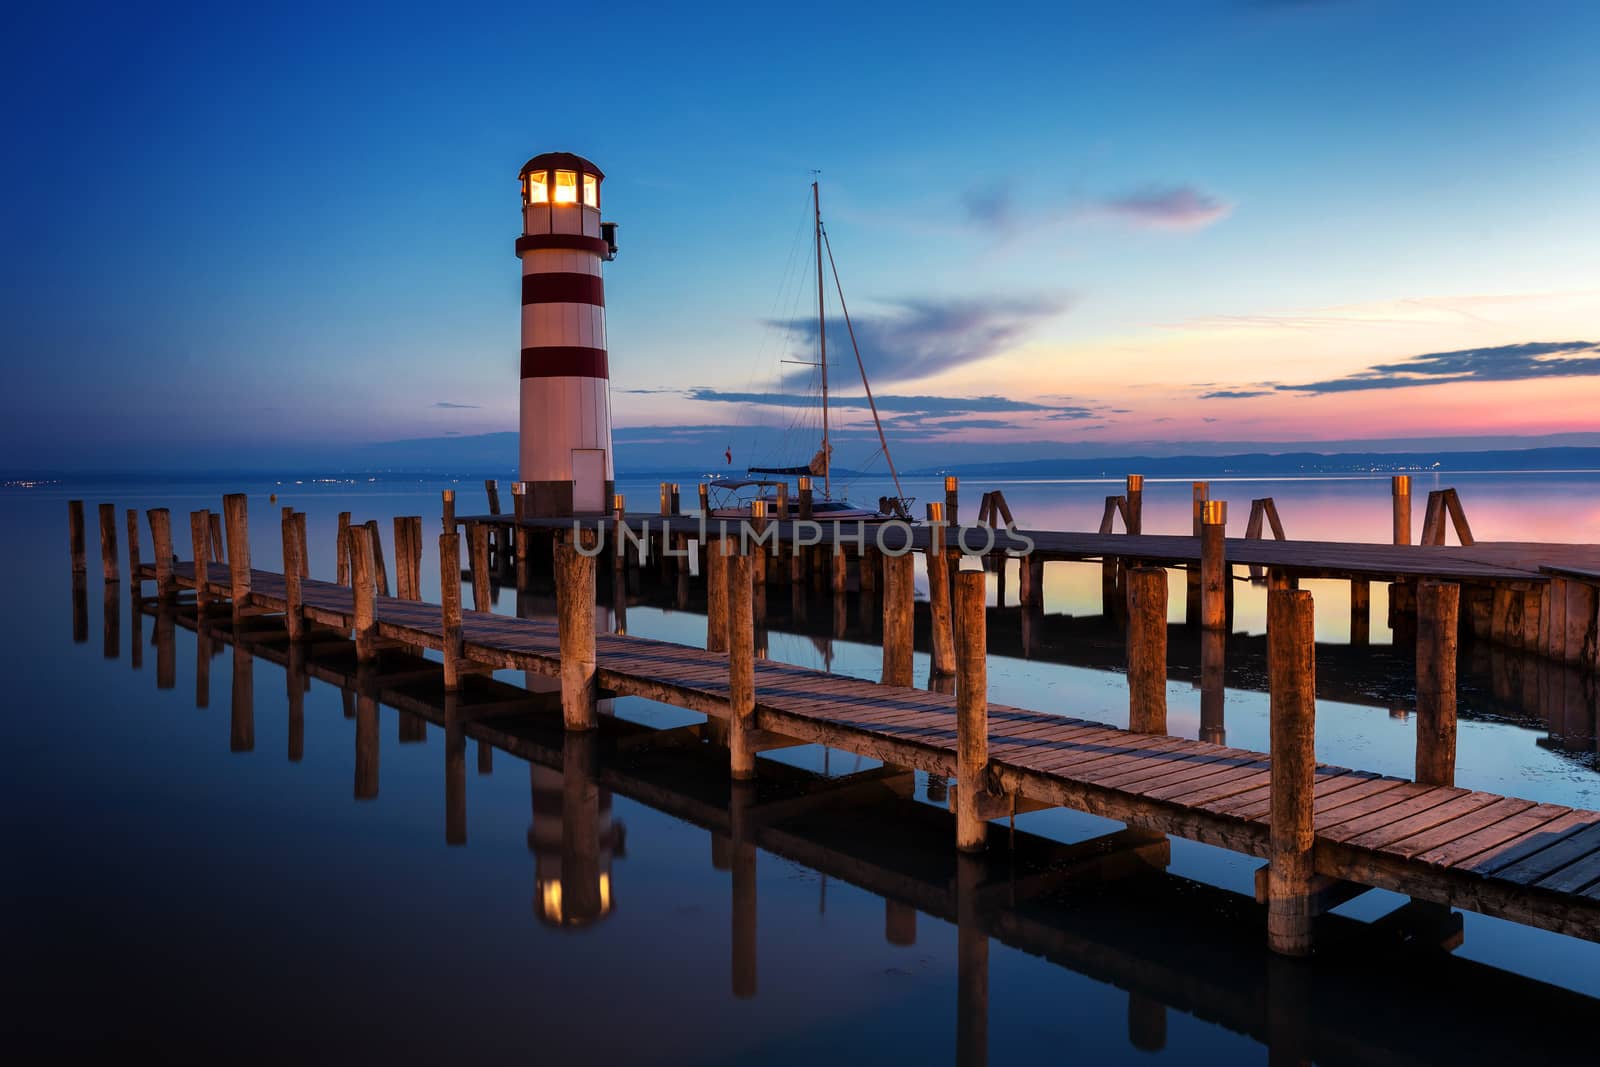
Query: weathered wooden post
(134, 581)
(366, 624)
(1134, 519)
(305, 551)
(1438, 615)
(235, 507)
(380, 573)
(402, 558)
(1147, 650)
(666, 498)
(450, 601)
(740, 639)
(108, 542)
(677, 499)
(161, 537)
(952, 496)
(705, 499)
(1400, 487)
(293, 610)
(575, 622)
(217, 541)
(716, 595)
(944, 641)
(478, 551)
(199, 533)
(343, 538)
(1213, 694)
(75, 536)
(1214, 569)
(972, 707)
(782, 501)
(1191, 611)
(1360, 611)
(805, 497)
(1292, 678)
(491, 486)
(447, 516)
(898, 619)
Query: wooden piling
(361, 586)
(492, 488)
(1134, 516)
(972, 707)
(134, 581)
(294, 614)
(1191, 612)
(108, 542)
(450, 601)
(75, 536)
(898, 619)
(402, 558)
(300, 538)
(1400, 489)
(740, 640)
(805, 498)
(575, 621)
(1214, 569)
(1291, 668)
(1147, 650)
(1213, 693)
(199, 535)
(1360, 611)
(1438, 616)
(235, 509)
(344, 548)
(161, 538)
(716, 595)
(478, 553)
(380, 573)
(447, 515)
(938, 563)
(218, 545)
(952, 486)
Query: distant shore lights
(564, 453)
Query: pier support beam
(1438, 614)
(293, 614)
(108, 542)
(380, 572)
(135, 583)
(366, 627)
(1191, 607)
(199, 535)
(898, 608)
(717, 595)
(972, 708)
(1147, 650)
(1213, 663)
(1134, 495)
(944, 646)
(1292, 673)
(236, 510)
(575, 620)
(952, 496)
(1214, 569)
(1400, 490)
(478, 549)
(740, 639)
(343, 551)
(75, 536)
(1360, 612)
(161, 536)
(450, 605)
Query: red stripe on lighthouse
(564, 362)
(560, 287)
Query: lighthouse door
(588, 480)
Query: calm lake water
(200, 868)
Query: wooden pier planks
(1534, 863)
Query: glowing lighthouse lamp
(565, 442)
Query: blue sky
(256, 231)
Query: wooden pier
(1326, 832)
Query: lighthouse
(565, 440)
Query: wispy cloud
(1234, 394)
(923, 337)
(1178, 207)
(895, 403)
(1502, 363)
(454, 406)
(991, 205)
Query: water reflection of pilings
(573, 837)
(1104, 908)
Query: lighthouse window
(566, 187)
(591, 191)
(538, 190)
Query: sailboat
(733, 498)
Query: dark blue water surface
(198, 873)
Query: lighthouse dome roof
(559, 161)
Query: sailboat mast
(822, 341)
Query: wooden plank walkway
(1538, 864)
(1481, 562)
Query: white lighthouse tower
(565, 449)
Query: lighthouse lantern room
(565, 442)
